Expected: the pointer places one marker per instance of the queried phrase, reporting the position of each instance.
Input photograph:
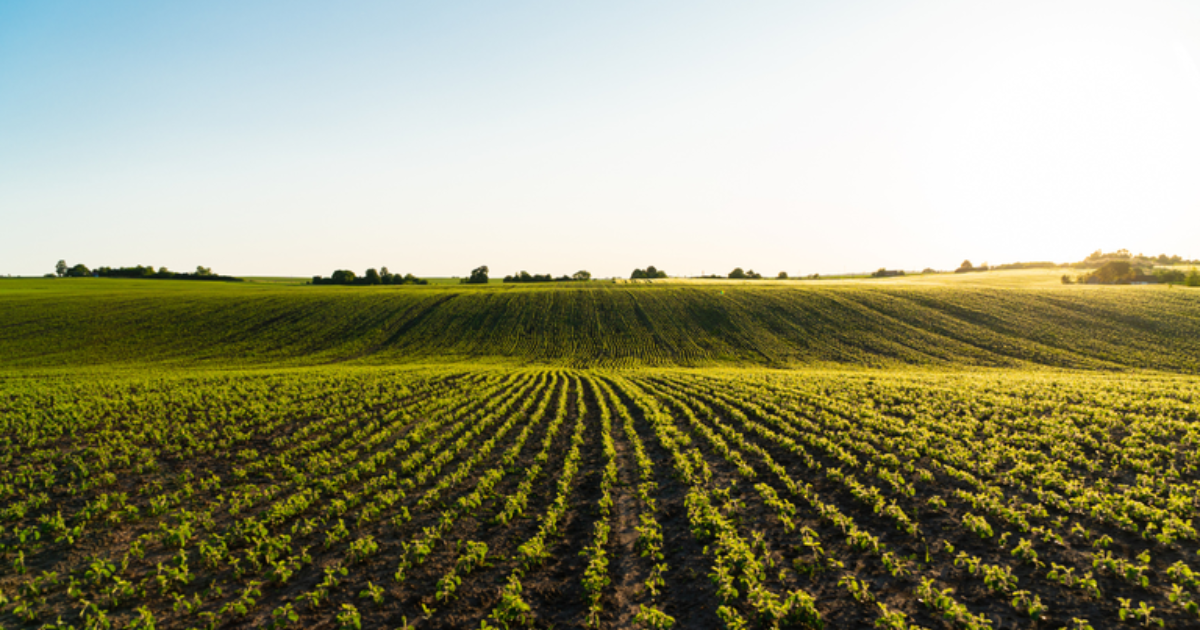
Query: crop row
(505, 498)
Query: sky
(296, 138)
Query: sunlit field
(946, 321)
(920, 452)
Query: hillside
(104, 322)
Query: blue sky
(297, 138)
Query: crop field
(452, 496)
(105, 323)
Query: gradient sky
(295, 138)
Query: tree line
(1094, 260)
(525, 276)
(80, 270)
(648, 273)
(1126, 272)
(371, 277)
(479, 275)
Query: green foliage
(370, 278)
(649, 273)
(524, 277)
(479, 275)
(200, 498)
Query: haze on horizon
(272, 138)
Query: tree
(1170, 276)
(581, 276)
(1193, 278)
(61, 268)
(78, 271)
(203, 271)
(782, 275)
(648, 272)
(342, 276)
(737, 274)
(1113, 272)
(372, 277)
(479, 275)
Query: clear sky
(295, 138)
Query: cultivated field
(340, 478)
(99, 322)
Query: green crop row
(68, 324)
(500, 497)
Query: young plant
(372, 591)
(349, 619)
(653, 618)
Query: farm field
(448, 496)
(1008, 321)
(984, 452)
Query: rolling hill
(57, 323)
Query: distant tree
(342, 276)
(1067, 279)
(929, 270)
(78, 271)
(752, 275)
(782, 275)
(61, 268)
(965, 267)
(1170, 276)
(1193, 278)
(204, 271)
(1114, 272)
(737, 274)
(372, 277)
(648, 272)
(525, 276)
(479, 275)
